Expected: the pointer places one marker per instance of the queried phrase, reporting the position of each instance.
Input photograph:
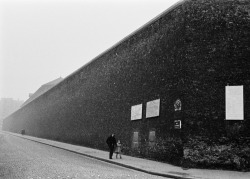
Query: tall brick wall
(190, 52)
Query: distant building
(8, 106)
(44, 88)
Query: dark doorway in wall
(151, 138)
(135, 139)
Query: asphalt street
(25, 159)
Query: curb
(105, 160)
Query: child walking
(118, 149)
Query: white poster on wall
(234, 103)
(136, 112)
(153, 108)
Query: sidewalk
(148, 166)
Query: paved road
(25, 159)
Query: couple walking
(111, 141)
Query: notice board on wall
(153, 108)
(234, 103)
(136, 112)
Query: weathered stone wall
(190, 52)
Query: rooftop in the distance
(44, 88)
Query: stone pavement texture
(144, 165)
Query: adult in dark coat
(111, 141)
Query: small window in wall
(234, 103)
(136, 112)
(153, 108)
(135, 140)
(151, 138)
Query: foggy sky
(43, 40)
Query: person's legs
(110, 156)
(111, 152)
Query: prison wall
(190, 52)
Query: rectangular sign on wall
(136, 112)
(234, 103)
(153, 108)
(177, 124)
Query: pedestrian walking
(111, 141)
(118, 149)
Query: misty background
(43, 40)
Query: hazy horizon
(45, 40)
